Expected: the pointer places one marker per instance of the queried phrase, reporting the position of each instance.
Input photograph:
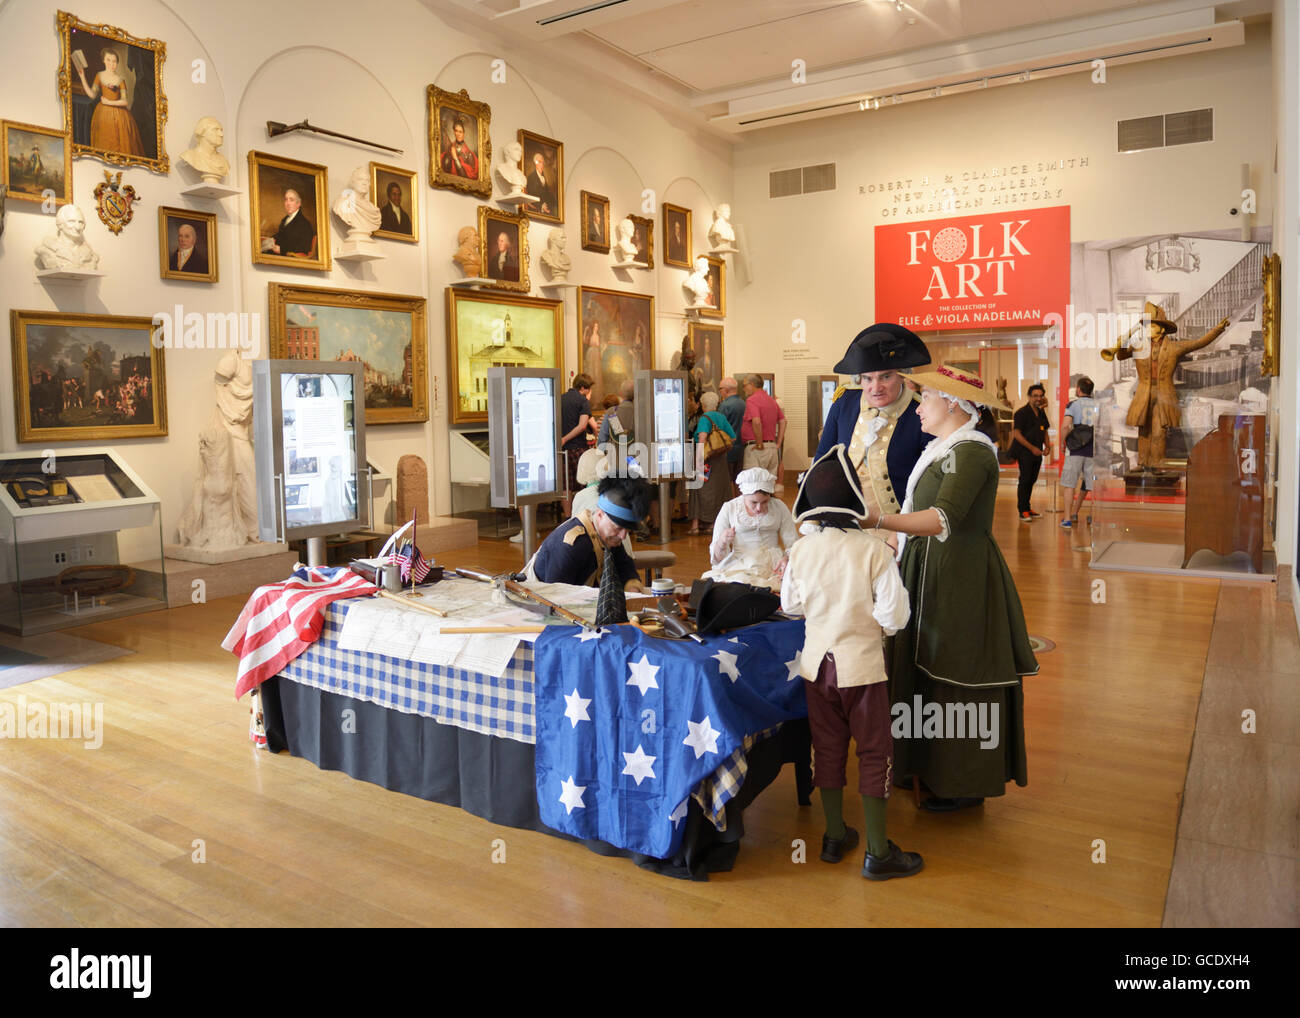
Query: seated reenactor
(574, 552)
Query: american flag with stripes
(281, 620)
(409, 560)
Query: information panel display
(660, 406)
(524, 435)
(310, 448)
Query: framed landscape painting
(386, 332)
(486, 329)
(86, 378)
(615, 337)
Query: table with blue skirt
(636, 745)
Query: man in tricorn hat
(1154, 409)
(877, 424)
(847, 585)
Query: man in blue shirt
(732, 407)
(574, 552)
(1080, 421)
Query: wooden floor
(111, 836)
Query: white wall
(812, 256)
(362, 71)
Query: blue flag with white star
(629, 724)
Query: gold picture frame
(550, 206)
(272, 178)
(319, 323)
(201, 264)
(133, 135)
(482, 331)
(68, 390)
(644, 237)
(508, 273)
(677, 236)
(463, 164)
(595, 232)
(1272, 313)
(402, 223)
(28, 180)
(616, 337)
(706, 339)
(717, 287)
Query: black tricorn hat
(830, 487)
(720, 606)
(883, 347)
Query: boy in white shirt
(846, 584)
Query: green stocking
(833, 807)
(873, 810)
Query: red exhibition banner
(974, 272)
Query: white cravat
(182, 256)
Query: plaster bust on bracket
(354, 207)
(509, 175)
(67, 248)
(554, 257)
(204, 157)
(721, 235)
(697, 284)
(467, 256)
(624, 249)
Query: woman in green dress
(955, 671)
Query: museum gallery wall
(245, 64)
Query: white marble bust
(554, 257)
(354, 207)
(624, 249)
(509, 174)
(697, 284)
(721, 235)
(67, 249)
(204, 157)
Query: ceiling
(733, 62)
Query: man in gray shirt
(732, 408)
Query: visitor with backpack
(1080, 422)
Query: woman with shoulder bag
(714, 436)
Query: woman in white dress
(749, 533)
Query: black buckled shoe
(897, 864)
(833, 849)
(937, 805)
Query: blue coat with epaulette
(905, 444)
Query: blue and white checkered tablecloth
(503, 707)
(452, 696)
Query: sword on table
(532, 601)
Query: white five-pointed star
(736, 639)
(679, 814)
(571, 795)
(643, 675)
(589, 634)
(727, 664)
(703, 739)
(577, 708)
(639, 765)
(792, 668)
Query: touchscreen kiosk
(660, 405)
(821, 393)
(309, 444)
(524, 435)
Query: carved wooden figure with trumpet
(1154, 409)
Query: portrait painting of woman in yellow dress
(110, 84)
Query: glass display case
(81, 540)
(1201, 513)
(821, 394)
(524, 435)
